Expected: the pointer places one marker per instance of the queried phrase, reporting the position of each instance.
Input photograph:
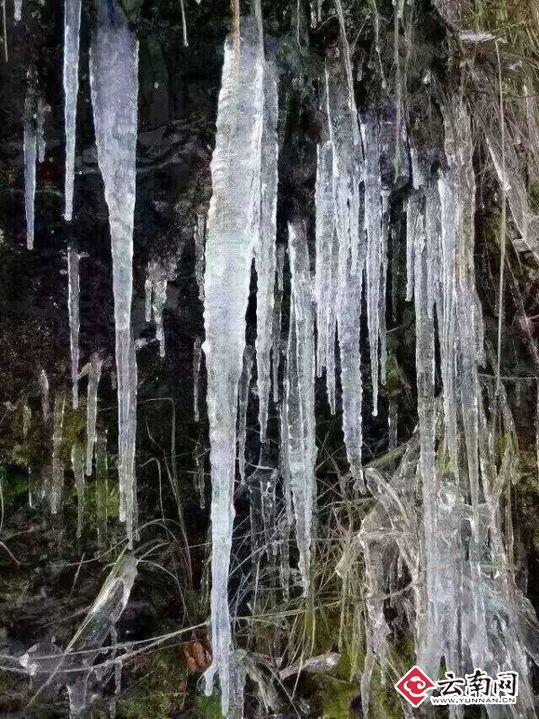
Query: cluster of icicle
(114, 86)
(464, 604)
(351, 240)
(114, 90)
(451, 547)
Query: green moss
(207, 707)
(156, 687)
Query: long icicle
(265, 250)
(30, 158)
(231, 237)
(72, 15)
(114, 86)
(73, 262)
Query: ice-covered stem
(72, 15)
(231, 237)
(114, 90)
(94, 376)
(265, 249)
(299, 396)
(30, 158)
(73, 262)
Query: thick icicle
(72, 14)
(94, 377)
(265, 250)
(30, 158)
(74, 323)
(299, 396)
(57, 462)
(114, 86)
(17, 13)
(231, 236)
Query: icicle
(72, 15)
(26, 419)
(40, 130)
(375, 244)
(200, 241)
(276, 323)
(158, 274)
(232, 223)
(17, 14)
(74, 324)
(57, 463)
(243, 402)
(77, 464)
(327, 259)
(114, 89)
(347, 174)
(349, 303)
(94, 377)
(158, 304)
(265, 257)
(44, 389)
(197, 361)
(101, 487)
(299, 385)
(30, 157)
(148, 290)
(184, 25)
